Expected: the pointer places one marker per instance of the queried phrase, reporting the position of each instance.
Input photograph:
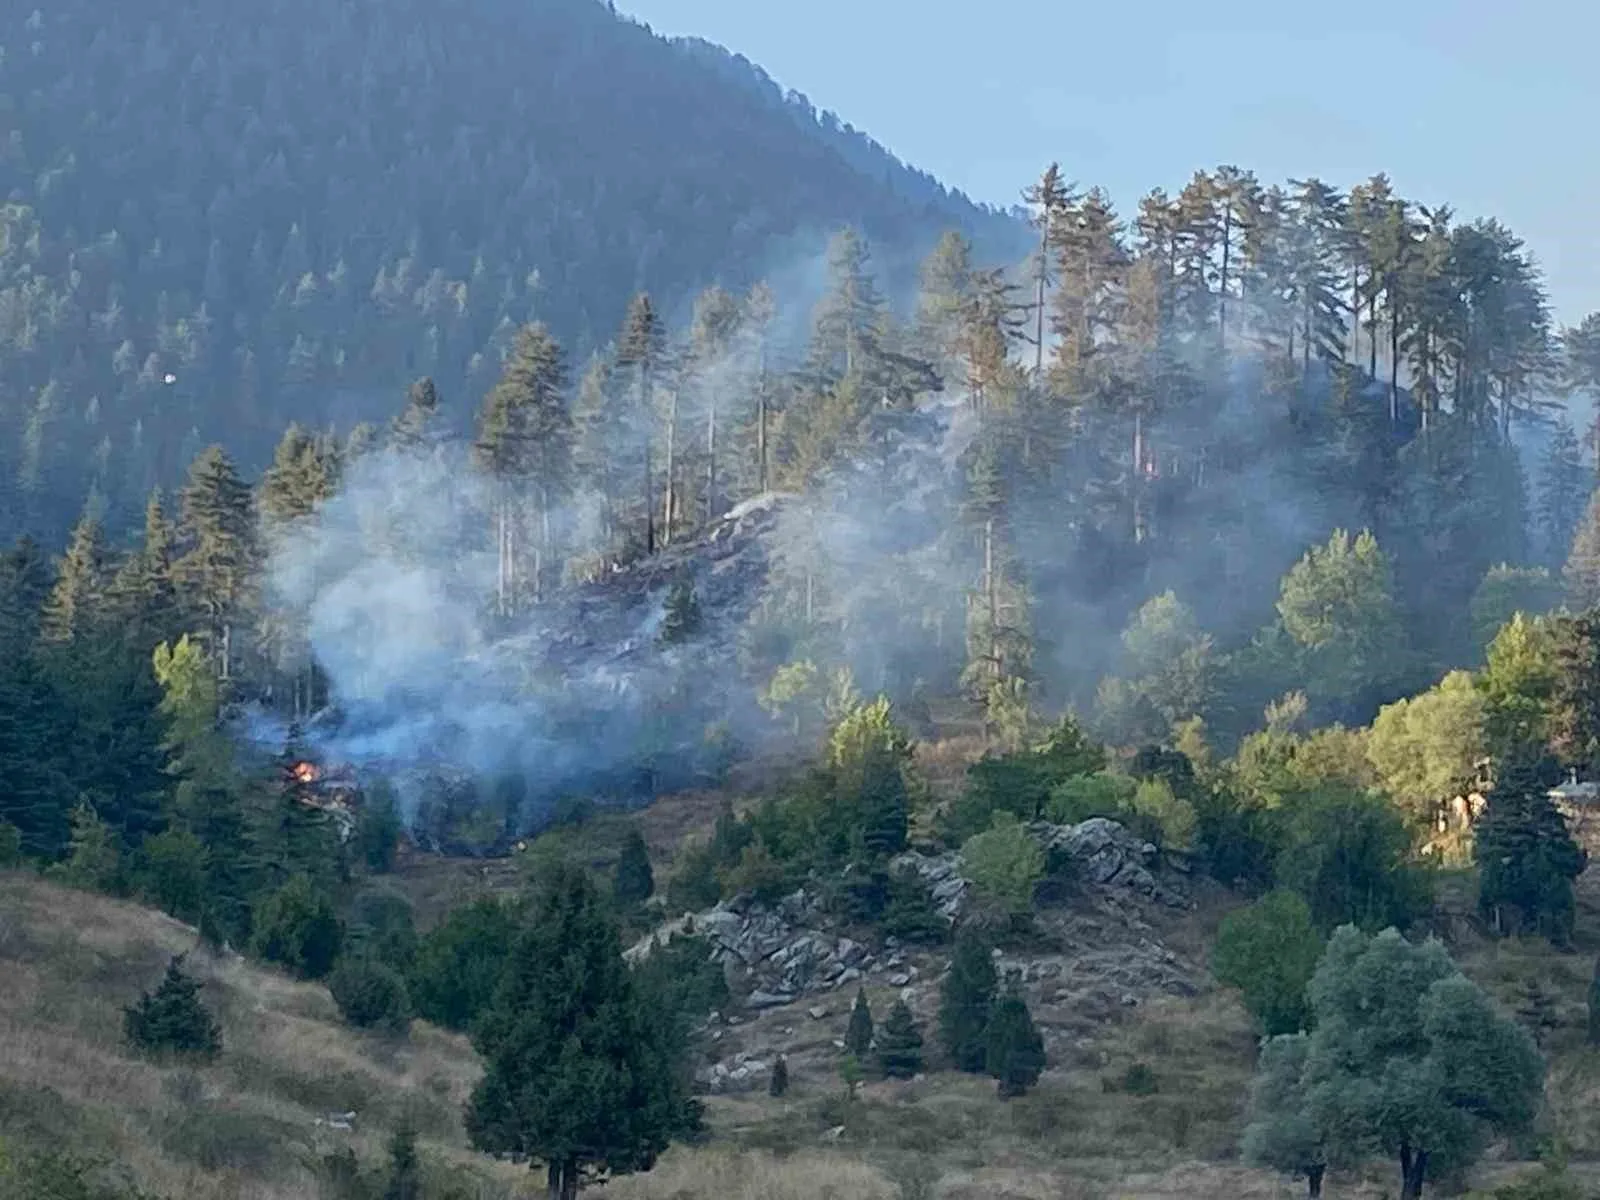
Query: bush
(10, 845)
(1014, 1051)
(173, 1019)
(899, 1044)
(911, 914)
(370, 995)
(1099, 795)
(633, 881)
(296, 928)
(1269, 951)
(172, 873)
(1349, 853)
(758, 874)
(778, 1084)
(682, 981)
(1173, 819)
(1005, 864)
(458, 964)
(382, 927)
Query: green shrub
(458, 963)
(173, 1019)
(382, 927)
(171, 873)
(297, 928)
(1005, 864)
(910, 913)
(1269, 951)
(370, 994)
(1086, 796)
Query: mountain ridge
(334, 201)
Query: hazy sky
(1481, 104)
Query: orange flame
(304, 772)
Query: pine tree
(217, 536)
(681, 622)
(173, 1019)
(74, 603)
(1526, 857)
(144, 595)
(418, 424)
(1565, 482)
(900, 1044)
(778, 1084)
(707, 369)
(525, 445)
(634, 882)
(577, 1074)
(405, 1175)
(858, 1035)
(639, 362)
(1013, 1049)
(1582, 571)
(965, 1002)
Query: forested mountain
(219, 221)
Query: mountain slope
(218, 222)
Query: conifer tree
(708, 372)
(418, 424)
(75, 601)
(634, 881)
(525, 445)
(1565, 482)
(1048, 201)
(900, 1044)
(173, 1019)
(217, 537)
(1582, 570)
(1527, 859)
(639, 362)
(965, 1001)
(578, 1076)
(144, 593)
(778, 1084)
(760, 310)
(682, 620)
(1013, 1049)
(858, 1035)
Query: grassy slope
(246, 1127)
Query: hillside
(257, 1123)
(336, 198)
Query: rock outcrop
(776, 955)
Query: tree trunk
(1314, 1182)
(1394, 364)
(711, 460)
(1413, 1170)
(991, 590)
(670, 501)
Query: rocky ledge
(777, 954)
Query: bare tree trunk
(991, 588)
(711, 459)
(1138, 476)
(670, 504)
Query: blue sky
(1487, 105)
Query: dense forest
(336, 199)
(1074, 481)
(1252, 519)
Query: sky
(1477, 104)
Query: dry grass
(243, 1128)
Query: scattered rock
(816, 1012)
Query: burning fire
(304, 772)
